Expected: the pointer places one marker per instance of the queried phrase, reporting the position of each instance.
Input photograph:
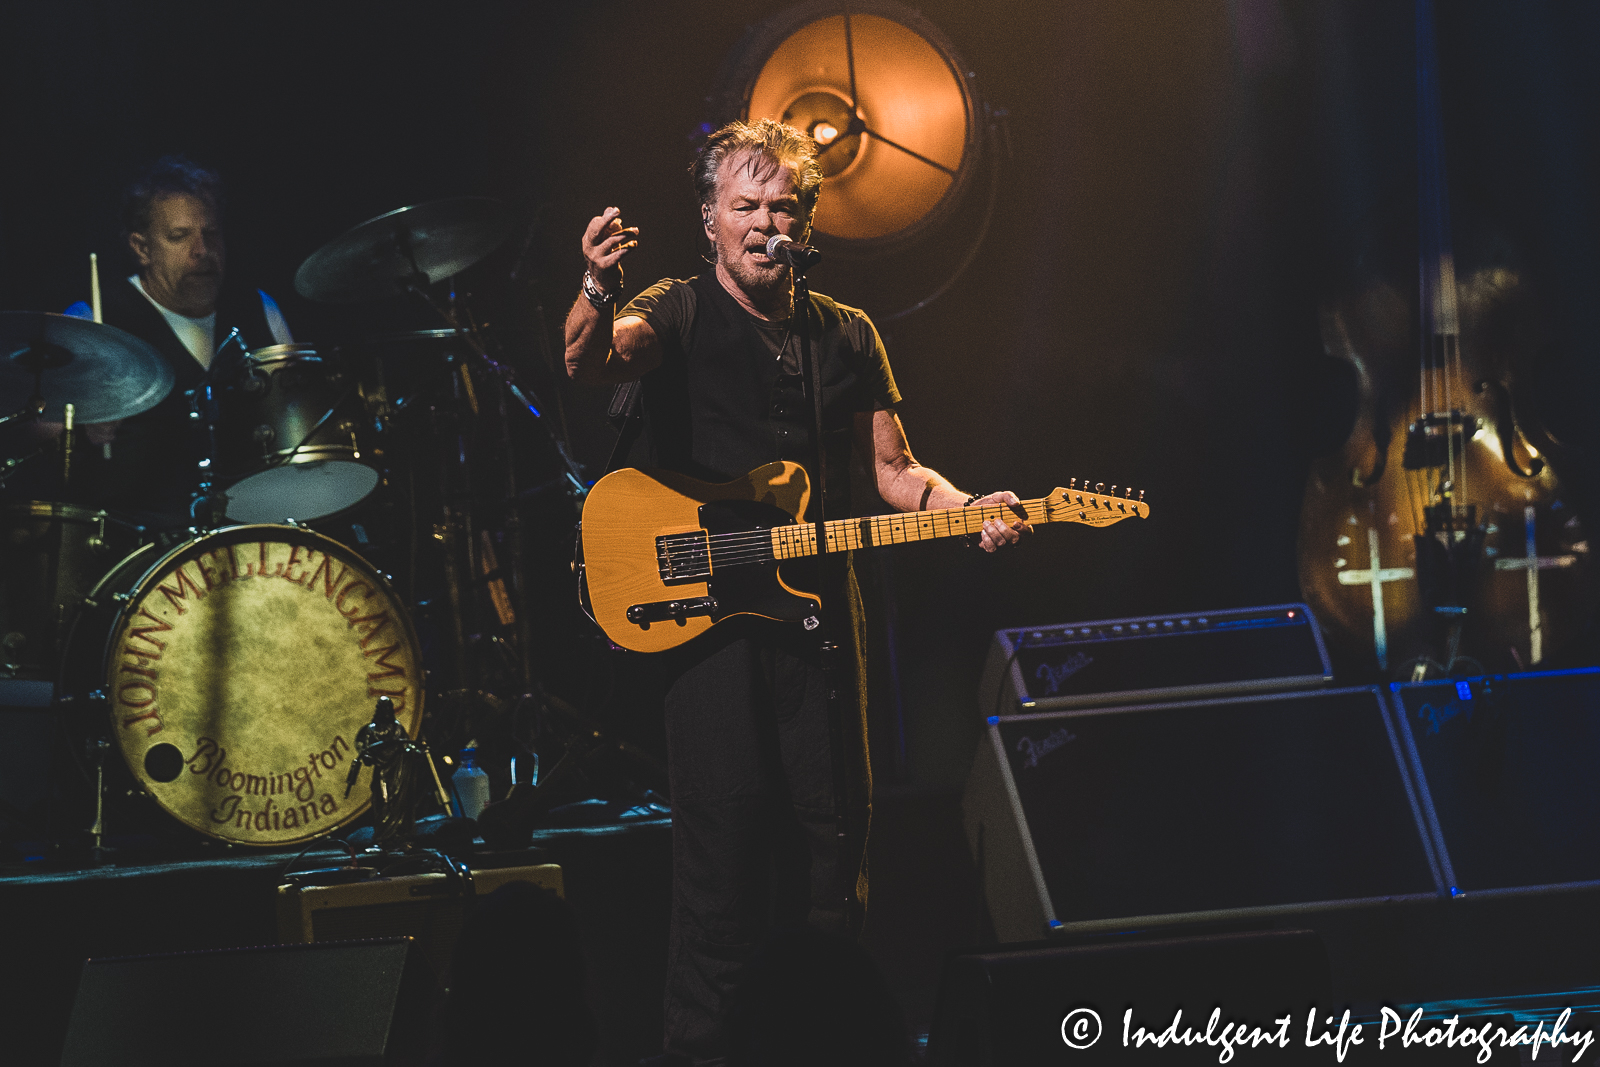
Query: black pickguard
(750, 587)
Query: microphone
(797, 256)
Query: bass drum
(238, 668)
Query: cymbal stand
(9, 467)
(32, 411)
(460, 320)
(38, 357)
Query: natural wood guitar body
(665, 557)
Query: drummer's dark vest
(154, 459)
(723, 406)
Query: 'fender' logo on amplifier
(1033, 751)
(1053, 674)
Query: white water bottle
(471, 785)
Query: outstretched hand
(997, 534)
(605, 242)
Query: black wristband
(596, 295)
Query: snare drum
(237, 669)
(297, 437)
(50, 556)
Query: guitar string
(1036, 510)
(763, 538)
(734, 549)
(725, 556)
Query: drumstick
(94, 285)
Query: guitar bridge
(671, 610)
(683, 557)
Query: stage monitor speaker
(1011, 1006)
(345, 1003)
(1264, 805)
(1154, 657)
(1506, 772)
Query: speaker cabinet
(1011, 1006)
(1506, 767)
(349, 1003)
(1254, 805)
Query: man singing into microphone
(765, 827)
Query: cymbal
(375, 259)
(104, 372)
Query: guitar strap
(624, 406)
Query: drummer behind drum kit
(234, 669)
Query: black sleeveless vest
(724, 406)
(153, 470)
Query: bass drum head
(238, 672)
(301, 490)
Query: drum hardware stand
(459, 319)
(95, 749)
(31, 411)
(39, 357)
(9, 467)
(209, 508)
(97, 754)
(457, 530)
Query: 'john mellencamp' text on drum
(240, 669)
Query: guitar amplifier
(429, 908)
(1154, 657)
(1505, 770)
(1087, 820)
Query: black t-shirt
(729, 396)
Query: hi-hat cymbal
(104, 372)
(377, 258)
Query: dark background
(1183, 181)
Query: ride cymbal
(380, 257)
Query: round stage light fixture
(889, 102)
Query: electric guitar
(663, 557)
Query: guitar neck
(845, 535)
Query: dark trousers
(755, 811)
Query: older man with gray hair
(770, 785)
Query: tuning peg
(1141, 496)
(1073, 484)
(1099, 487)
(1113, 490)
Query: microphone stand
(845, 830)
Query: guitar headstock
(1096, 507)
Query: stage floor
(924, 903)
(617, 880)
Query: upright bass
(1437, 540)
